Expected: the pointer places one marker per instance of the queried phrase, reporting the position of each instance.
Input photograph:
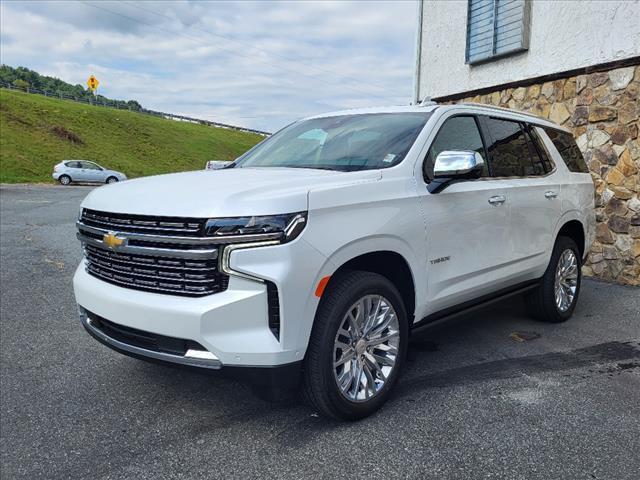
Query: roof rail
(502, 109)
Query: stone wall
(603, 110)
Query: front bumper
(126, 345)
(269, 381)
(232, 325)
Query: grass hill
(37, 132)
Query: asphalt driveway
(474, 403)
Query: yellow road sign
(92, 83)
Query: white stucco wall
(565, 35)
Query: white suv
(311, 259)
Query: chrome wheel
(112, 180)
(566, 281)
(65, 180)
(366, 348)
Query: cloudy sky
(259, 64)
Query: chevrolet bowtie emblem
(113, 241)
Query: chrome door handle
(497, 200)
(550, 194)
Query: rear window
(568, 149)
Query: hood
(220, 193)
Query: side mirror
(216, 164)
(458, 164)
(454, 166)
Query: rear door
(532, 188)
(76, 171)
(467, 224)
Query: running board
(442, 317)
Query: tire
(64, 179)
(111, 180)
(542, 302)
(321, 377)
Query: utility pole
(416, 77)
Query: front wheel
(555, 298)
(357, 346)
(112, 180)
(64, 179)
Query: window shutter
(496, 28)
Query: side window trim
(435, 137)
(486, 135)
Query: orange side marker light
(322, 284)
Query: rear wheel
(357, 346)
(64, 179)
(112, 180)
(555, 298)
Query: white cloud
(259, 64)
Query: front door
(92, 172)
(467, 225)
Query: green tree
(21, 84)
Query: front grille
(122, 222)
(154, 262)
(161, 274)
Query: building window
(496, 28)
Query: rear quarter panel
(577, 195)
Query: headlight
(273, 227)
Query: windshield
(344, 143)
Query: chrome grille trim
(159, 276)
(155, 286)
(143, 237)
(113, 256)
(138, 222)
(160, 252)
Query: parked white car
(84, 171)
(315, 255)
(216, 164)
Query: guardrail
(122, 105)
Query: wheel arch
(574, 229)
(391, 265)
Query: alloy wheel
(566, 281)
(366, 348)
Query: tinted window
(541, 149)
(73, 164)
(345, 143)
(568, 149)
(509, 150)
(457, 133)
